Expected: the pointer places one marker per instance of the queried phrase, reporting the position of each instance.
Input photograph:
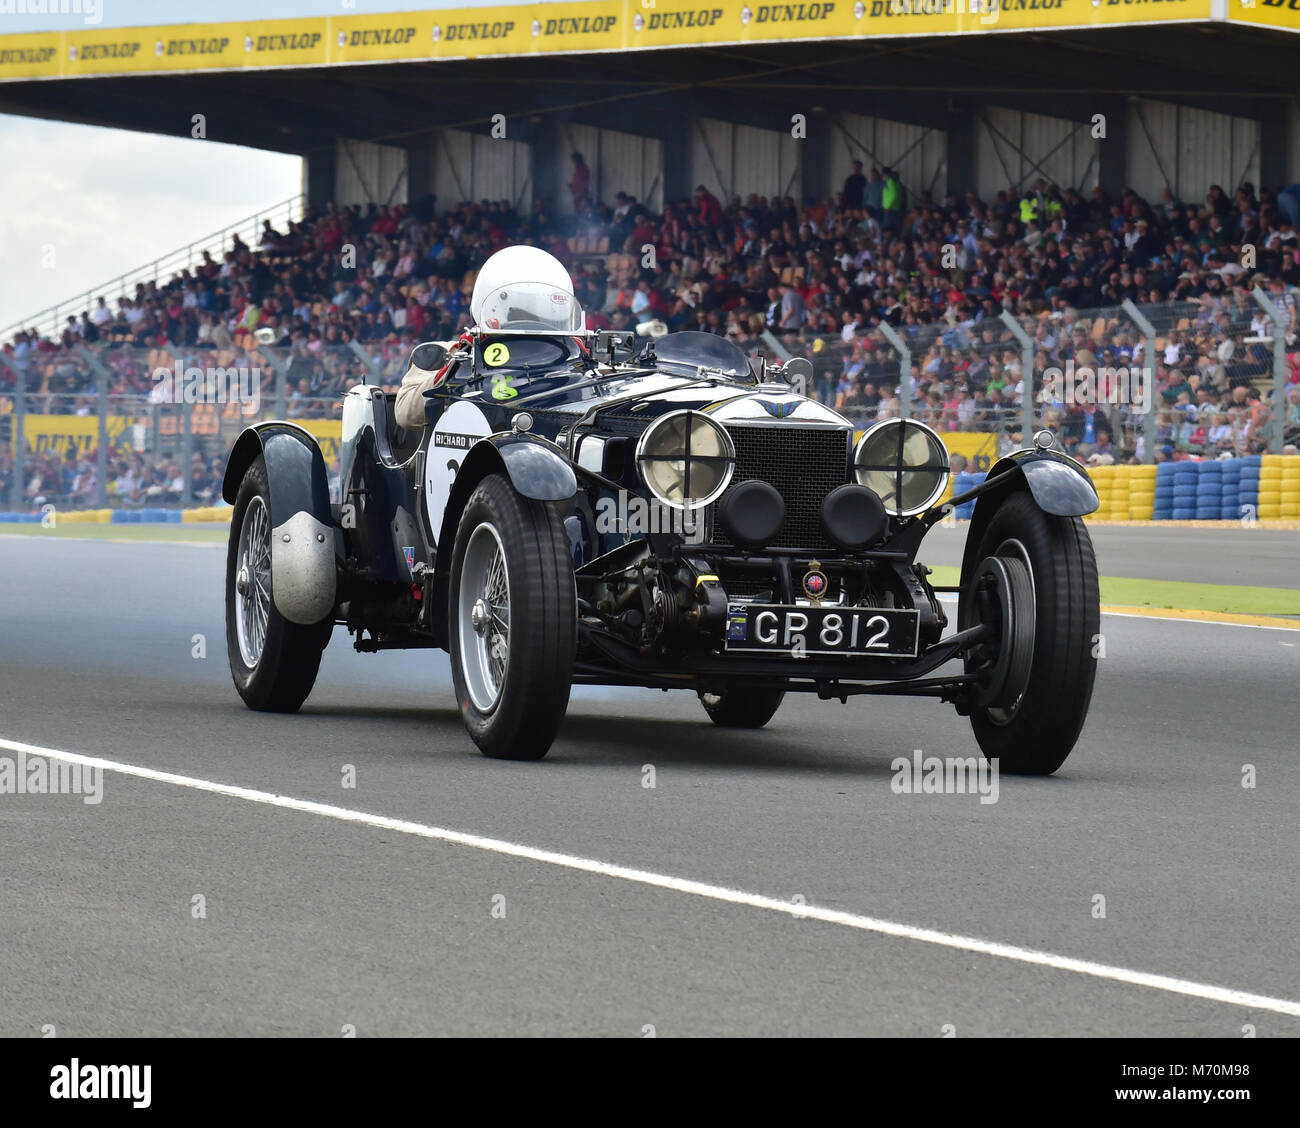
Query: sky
(83, 204)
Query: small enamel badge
(814, 581)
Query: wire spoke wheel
(484, 617)
(253, 582)
(512, 621)
(273, 661)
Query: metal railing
(105, 428)
(96, 418)
(50, 322)
(1197, 378)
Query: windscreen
(702, 350)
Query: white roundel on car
(457, 429)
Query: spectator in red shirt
(580, 185)
(386, 223)
(710, 210)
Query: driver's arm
(409, 410)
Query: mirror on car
(429, 357)
(614, 345)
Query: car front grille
(803, 464)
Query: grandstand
(790, 203)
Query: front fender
(303, 573)
(536, 470)
(1058, 484)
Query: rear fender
(303, 574)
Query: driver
(519, 290)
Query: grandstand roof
(295, 85)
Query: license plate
(772, 628)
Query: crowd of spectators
(135, 479)
(350, 289)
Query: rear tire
(273, 662)
(1037, 730)
(742, 707)
(513, 621)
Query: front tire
(273, 662)
(742, 707)
(513, 621)
(1031, 728)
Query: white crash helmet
(525, 290)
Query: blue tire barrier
(1183, 514)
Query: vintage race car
(601, 508)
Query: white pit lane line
(1167, 983)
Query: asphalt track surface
(1250, 557)
(317, 919)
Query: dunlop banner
(328, 432)
(582, 26)
(1282, 15)
(58, 434)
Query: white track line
(685, 885)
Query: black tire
(521, 704)
(1036, 734)
(742, 707)
(285, 671)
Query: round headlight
(686, 459)
(903, 461)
